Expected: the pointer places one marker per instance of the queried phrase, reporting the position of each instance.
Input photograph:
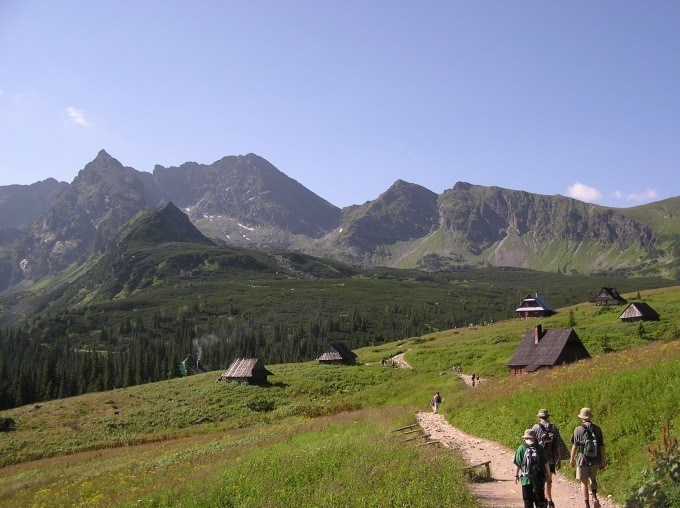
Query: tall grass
(348, 460)
(631, 393)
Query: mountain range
(50, 226)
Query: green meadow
(322, 435)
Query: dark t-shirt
(557, 444)
(578, 439)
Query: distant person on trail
(436, 400)
(473, 379)
(548, 436)
(588, 441)
(531, 470)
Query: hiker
(589, 443)
(548, 436)
(473, 380)
(436, 400)
(531, 469)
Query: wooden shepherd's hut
(246, 370)
(338, 353)
(534, 306)
(639, 311)
(608, 296)
(541, 349)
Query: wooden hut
(546, 349)
(534, 306)
(639, 311)
(246, 370)
(608, 296)
(338, 353)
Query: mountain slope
(662, 216)
(79, 223)
(484, 215)
(410, 227)
(402, 212)
(20, 204)
(246, 201)
(248, 189)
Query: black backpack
(589, 444)
(548, 439)
(531, 464)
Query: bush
(7, 424)
(261, 405)
(661, 484)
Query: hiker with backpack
(436, 400)
(531, 470)
(588, 442)
(548, 436)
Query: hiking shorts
(586, 472)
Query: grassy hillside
(139, 310)
(320, 435)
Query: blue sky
(573, 98)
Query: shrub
(7, 424)
(262, 405)
(661, 484)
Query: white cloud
(641, 196)
(583, 192)
(76, 117)
(636, 196)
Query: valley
(321, 424)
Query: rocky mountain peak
(162, 224)
(402, 187)
(462, 186)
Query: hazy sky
(573, 98)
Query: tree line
(71, 353)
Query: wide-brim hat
(529, 434)
(585, 414)
(543, 413)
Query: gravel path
(502, 492)
(468, 379)
(400, 362)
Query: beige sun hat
(529, 434)
(585, 414)
(543, 413)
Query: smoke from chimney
(198, 349)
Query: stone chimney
(538, 333)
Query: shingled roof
(608, 296)
(245, 368)
(548, 348)
(336, 352)
(637, 311)
(533, 303)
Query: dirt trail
(400, 362)
(468, 379)
(502, 492)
